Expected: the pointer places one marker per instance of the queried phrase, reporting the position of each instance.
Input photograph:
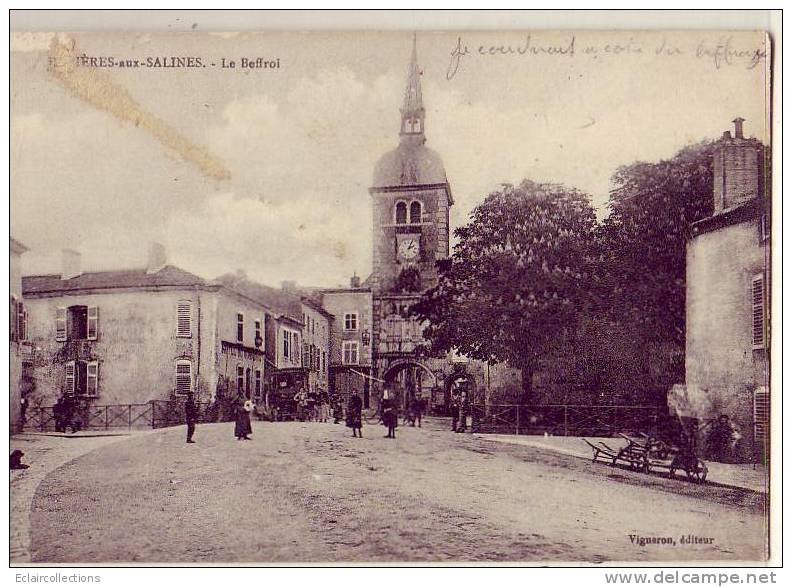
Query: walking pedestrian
(420, 406)
(57, 414)
(243, 428)
(454, 407)
(354, 416)
(464, 409)
(190, 417)
(390, 416)
(338, 408)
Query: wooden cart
(646, 454)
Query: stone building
(728, 299)
(19, 351)
(316, 332)
(411, 201)
(132, 336)
(350, 342)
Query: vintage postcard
(391, 297)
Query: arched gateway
(410, 378)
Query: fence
(565, 420)
(154, 414)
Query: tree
(652, 208)
(519, 277)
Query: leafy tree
(519, 277)
(652, 208)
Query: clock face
(408, 248)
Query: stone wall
(722, 368)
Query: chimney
(738, 127)
(736, 168)
(70, 264)
(354, 281)
(157, 259)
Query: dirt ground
(311, 492)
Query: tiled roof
(167, 276)
(277, 300)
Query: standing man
(454, 407)
(190, 416)
(464, 407)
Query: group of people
(312, 406)
(64, 414)
(389, 413)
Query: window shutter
(14, 329)
(21, 321)
(761, 416)
(60, 324)
(758, 313)
(70, 376)
(92, 379)
(183, 377)
(93, 323)
(184, 319)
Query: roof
(279, 301)
(413, 101)
(168, 276)
(411, 163)
(315, 305)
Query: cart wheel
(698, 474)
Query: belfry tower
(411, 198)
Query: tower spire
(412, 109)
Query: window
(758, 313)
(285, 345)
(92, 379)
(257, 385)
(183, 377)
(415, 212)
(324, 361)
(401, 213)
(305, 351)
(350, 321)
(350, 356)
(77, 323)
(240, 378)
(81, 378)
(259, 339)
(240, 327)
(184, 319)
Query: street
(311, 492)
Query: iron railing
(154, 414)
(565, 420)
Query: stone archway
(408, 378)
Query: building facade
(316, 330)
(728, 295)
(351, 353)
(133, 336)
(411, 200)
(19, 350)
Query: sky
(268, 170)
